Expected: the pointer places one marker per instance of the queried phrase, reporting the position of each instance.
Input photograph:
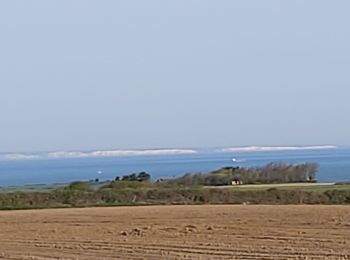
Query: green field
(45, 187)
(316, 187)
(32, 188)
(321, 187)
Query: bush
(154, 195)
(79, 186)
(120, 185)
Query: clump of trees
(141, 177)
(132, 181)
(269, 174)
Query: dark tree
(143, 176)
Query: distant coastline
(152, 152)
(95, 154)
(277, 148)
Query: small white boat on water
(235, 160)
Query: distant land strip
(152, 152)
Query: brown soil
(177, 232)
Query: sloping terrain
(177, 232)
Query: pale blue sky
(152, 74)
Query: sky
(111, 74)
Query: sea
(334, 164)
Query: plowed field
(177, 232)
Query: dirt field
(178, 232)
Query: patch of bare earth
(177, 232)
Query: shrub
(120, 185)
(79, 186)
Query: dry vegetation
(178, 232)
(139, 193)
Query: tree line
(269, 174)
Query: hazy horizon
(183, 150)
(87, 75)
(147, 148)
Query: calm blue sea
(334, 165)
